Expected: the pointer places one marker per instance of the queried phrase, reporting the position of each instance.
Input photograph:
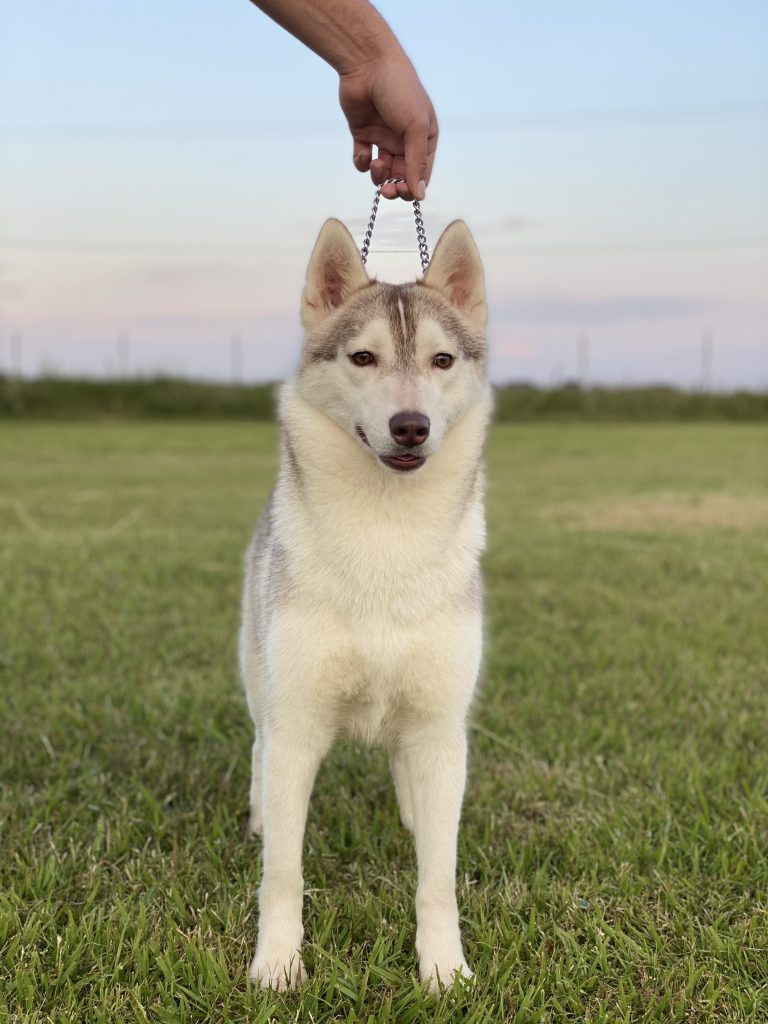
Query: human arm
(380, 93)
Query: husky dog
(362, 610)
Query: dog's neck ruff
(378, 539)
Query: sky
(165, 169)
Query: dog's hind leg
(251, 682)
(399, 771)
(254, 816)
(252, 689)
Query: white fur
(361, 616)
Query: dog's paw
(406, 817)
(279, 971)
(441, 960)
(443, 975)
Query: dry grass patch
(668, 512)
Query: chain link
(421, 234)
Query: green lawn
(613, 861)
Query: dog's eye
(443, 361)
(363, 358)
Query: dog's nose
(409, 428)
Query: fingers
(413, 158)
(416, 157)
(397, 190)
(361, 155)
(375, 134)
(381, 167)
(391, 167)
(386, 165)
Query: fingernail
(421, 189)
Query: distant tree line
(173, 398)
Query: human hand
(386, 106)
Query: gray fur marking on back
(278, 579)
(294, 468)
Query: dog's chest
(372, 682)
(385, 574)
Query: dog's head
(394, 365)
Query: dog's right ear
(335, 271)
(456, 270)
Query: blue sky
(164, 169)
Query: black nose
(409, 428)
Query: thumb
(416, 139)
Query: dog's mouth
(404, 462)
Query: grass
(613, 861)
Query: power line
(233, 250)
(514, 120)
(639, 245)
(106, 248)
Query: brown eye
(443, 361)
(363, 358)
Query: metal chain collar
(421, 234)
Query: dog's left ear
(456, 271)
(335, 271)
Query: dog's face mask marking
(394, 365)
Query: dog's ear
(335, 271)
(456, 271)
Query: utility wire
(519, 120)
(193, 249)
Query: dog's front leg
(436, 762)
(289, 766)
